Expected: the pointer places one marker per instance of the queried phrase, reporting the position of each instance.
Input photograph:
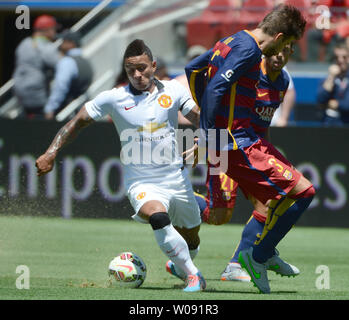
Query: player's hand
(333, 104)
(334, 70)
(44, 164)
(192, 153)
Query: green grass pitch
(68, 259)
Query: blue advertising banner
(87, 180)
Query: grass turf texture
(68, 260)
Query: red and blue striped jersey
(270, 95)
(223, 83)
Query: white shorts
(176, 194)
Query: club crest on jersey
(287, 174)
(140, 196)
(226, 196)
(165, 101)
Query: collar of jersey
(136, 92)
(254, 37)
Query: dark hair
(341, 45)
(284, 19)
(137, 48)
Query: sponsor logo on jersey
(152, 127)
(265, 113)
(165, 101)
(140, 196)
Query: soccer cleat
(170, 268)
(234, 272)
(276, 264)
(195, 282)
(257, 271)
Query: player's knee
(260, 216)
(308, 192)
(261, 208)
(303, 189)
(159, 220)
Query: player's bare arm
(194, 116)
(64, 136)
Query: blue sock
(248, 237)
(286, 213)
(200, 199)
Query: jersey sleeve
(100, 106)
(196, 72)
(185, 101)
(237, 63)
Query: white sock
(193, 253)
(175, 247)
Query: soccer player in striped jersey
(218, 207)
(227, 101)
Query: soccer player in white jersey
(145, 114)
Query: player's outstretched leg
(176, 248)
(194, 282)
(174, 270)
(283, 214)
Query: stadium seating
(215, 22)
(253, 11)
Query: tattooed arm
(64, 136)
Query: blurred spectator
(73, 75)
(35, 59)
(192, 53)
(161, 70)
(282, 114)
(321, 41)
(333, 93)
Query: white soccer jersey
(277, 113)
(146, 124)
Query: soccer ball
(128, 270)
